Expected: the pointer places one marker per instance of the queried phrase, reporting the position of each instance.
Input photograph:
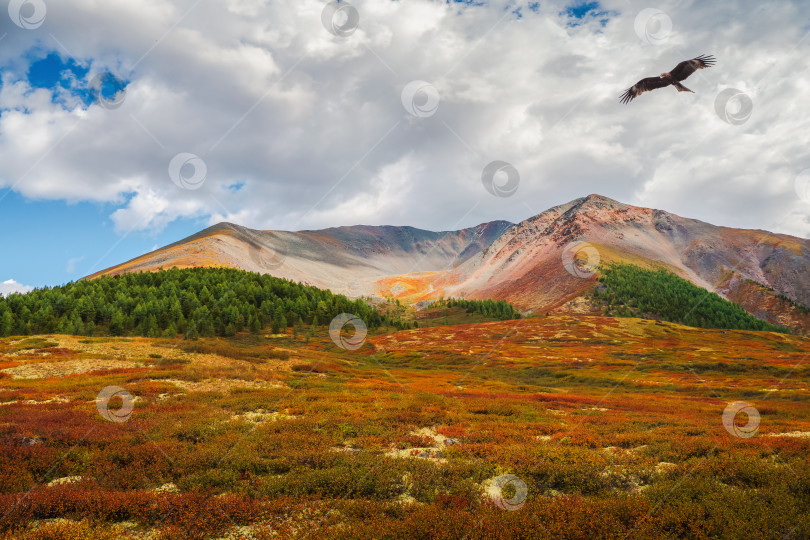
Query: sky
(126, 125)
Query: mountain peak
(597, 197)
(521, 263)
(594, 199)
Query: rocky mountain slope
(530, 264)
(347, 260)
(542, 264)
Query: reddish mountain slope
(526, 265)
(539, 264)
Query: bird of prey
(673, 78)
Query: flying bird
(673, 78)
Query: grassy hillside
(632, 291)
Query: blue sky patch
(582, 12)
(73, 241)
(53, 71)
(578, 11)
(66, 74)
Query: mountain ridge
(523, 263)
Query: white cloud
(10, 287)
(313, 124)
(72, 262)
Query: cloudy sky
(126, 125)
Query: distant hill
(536, 265)
(346, 260)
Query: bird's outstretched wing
(644, 85)
(687, 67)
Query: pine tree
(312, 329)
(171, 331)
(64, 326)
(150, 327)
(117, 323)
(78, 326)
(6, 324)
(192, 333)
(279, 321)
(176, 311)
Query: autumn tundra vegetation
(213, 403)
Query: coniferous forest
(194, 302)
(630, 291)
(497, 309)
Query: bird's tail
(681, 88)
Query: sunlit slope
(524, 264)
(346, 260)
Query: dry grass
(613, 425)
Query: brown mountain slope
(529, 264)
(347, 260)
(765, 303)
(526, 265)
